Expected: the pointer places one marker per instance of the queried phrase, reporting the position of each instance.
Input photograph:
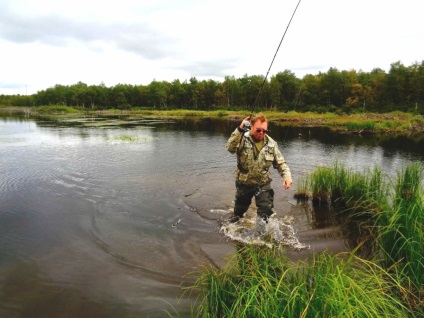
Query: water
(106, 220)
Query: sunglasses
(262, 130)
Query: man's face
(258, 130)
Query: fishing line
(272, 62)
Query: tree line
(401, 88)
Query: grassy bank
(262, 282)
(392, 211)
(364, 123)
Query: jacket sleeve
(281, 165)
(234, 141)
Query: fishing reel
(246, 126)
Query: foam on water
(254, 230)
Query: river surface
(109, 218)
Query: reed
(355, 126)
(302, 189)
(344, 187)
(261, 282)
(321, 184)
(401, 227)
(391, 212)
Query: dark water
(106, 220)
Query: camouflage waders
(264, 197)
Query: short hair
(258, 117)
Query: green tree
(310, 92)
(416, 72)
(284, 87)
(397, 85)
(158, 94)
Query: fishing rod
(247, 124)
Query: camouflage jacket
(255, 171)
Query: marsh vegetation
(263, 282)
(394, 123)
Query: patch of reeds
(358, 126)
(127, 138)
(392, 212)
(321, 183)
(401, 226)
(302, 193)
(341, 186)
(262, 282)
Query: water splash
(255, 231)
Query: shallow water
(107, 220)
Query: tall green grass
(392, 211)
(261, 282)
(401, 227)
(341, 186)
(366, 125)
(321, 185)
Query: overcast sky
(48, 42)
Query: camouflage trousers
(264, 198)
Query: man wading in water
(256, 152)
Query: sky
(49, 42)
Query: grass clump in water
(322, 180)
(128, 138)
(401, 227)
(261, 282)
(392, 211)
(355, 126)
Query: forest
(346, 91)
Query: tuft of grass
(366, 125)
(391, 212)
(401, 227)
(322, 180)
(261, 282)
(128, 138)
(302, 190)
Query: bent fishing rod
(247, 124)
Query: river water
(109, 218)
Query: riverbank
(397, 123)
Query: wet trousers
(264, 198)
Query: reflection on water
(108, 219)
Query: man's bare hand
(287, 184)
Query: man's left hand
(287, 184)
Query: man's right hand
(247, 119)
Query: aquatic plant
(302, 189)
(128, 138)
(262, 282)
(401, 227)
(391, 213)
(322, 180)
(355, 126)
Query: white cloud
(50, 42)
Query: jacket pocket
(269, 158)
